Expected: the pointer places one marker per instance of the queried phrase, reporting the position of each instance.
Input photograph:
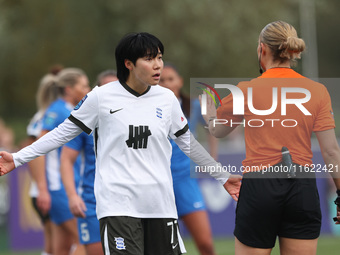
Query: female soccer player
(279, 206)
(73, 85)
(83, 205)
(47, 93)
(189, 200)
(131, 120)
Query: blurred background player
(280, 206)
(189, 200)
(73, 84)
(83, 205)
(106, 77)
(47, 93)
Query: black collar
(133, 92)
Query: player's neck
(137, 85)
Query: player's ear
(264, 48)
(128, 64)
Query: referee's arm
(331, 153)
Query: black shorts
(282, 207)
(43, 217)
(135, 236)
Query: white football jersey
(132, 146)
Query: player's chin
(153, 83)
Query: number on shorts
(172, 223)
(85, 234)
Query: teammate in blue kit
(73, 85)
(47, 93)
(189, 200)
(83, 205)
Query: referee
(278, 204)
(131, 120)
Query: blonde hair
(283, 41)
(68, 77)
(48, 91)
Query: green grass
(225, 246)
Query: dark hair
(186, 101)
(134, 46)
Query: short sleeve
(85, 114)
(76, 143)
(179, 124)
(196, 117)
(325, 117)
(52, 119)
(225, 111)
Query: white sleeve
(195, 151)
(85, 114)
(65, 132)
(179, 124)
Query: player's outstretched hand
(77, 206)
(6, 163)
(233, 186)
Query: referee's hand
(233, 186)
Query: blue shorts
(188, 196)
(89, 230)
(60, 211)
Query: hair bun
(55, 69)
(292, 47)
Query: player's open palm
(6, 162)
(233, 186)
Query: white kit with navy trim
(131, 131)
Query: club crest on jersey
(182, 119)
(159, 112)
(80, 103)
(120, 244)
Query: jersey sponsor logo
(138, 137)
(120, 244)
(113, 111)
(80, 103)
(159, 112)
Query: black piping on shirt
(182, 131)
(80, 124)
(95, 141)
(133, 92)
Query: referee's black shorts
(271, 207)
(133, 236)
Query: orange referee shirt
(266, 135)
